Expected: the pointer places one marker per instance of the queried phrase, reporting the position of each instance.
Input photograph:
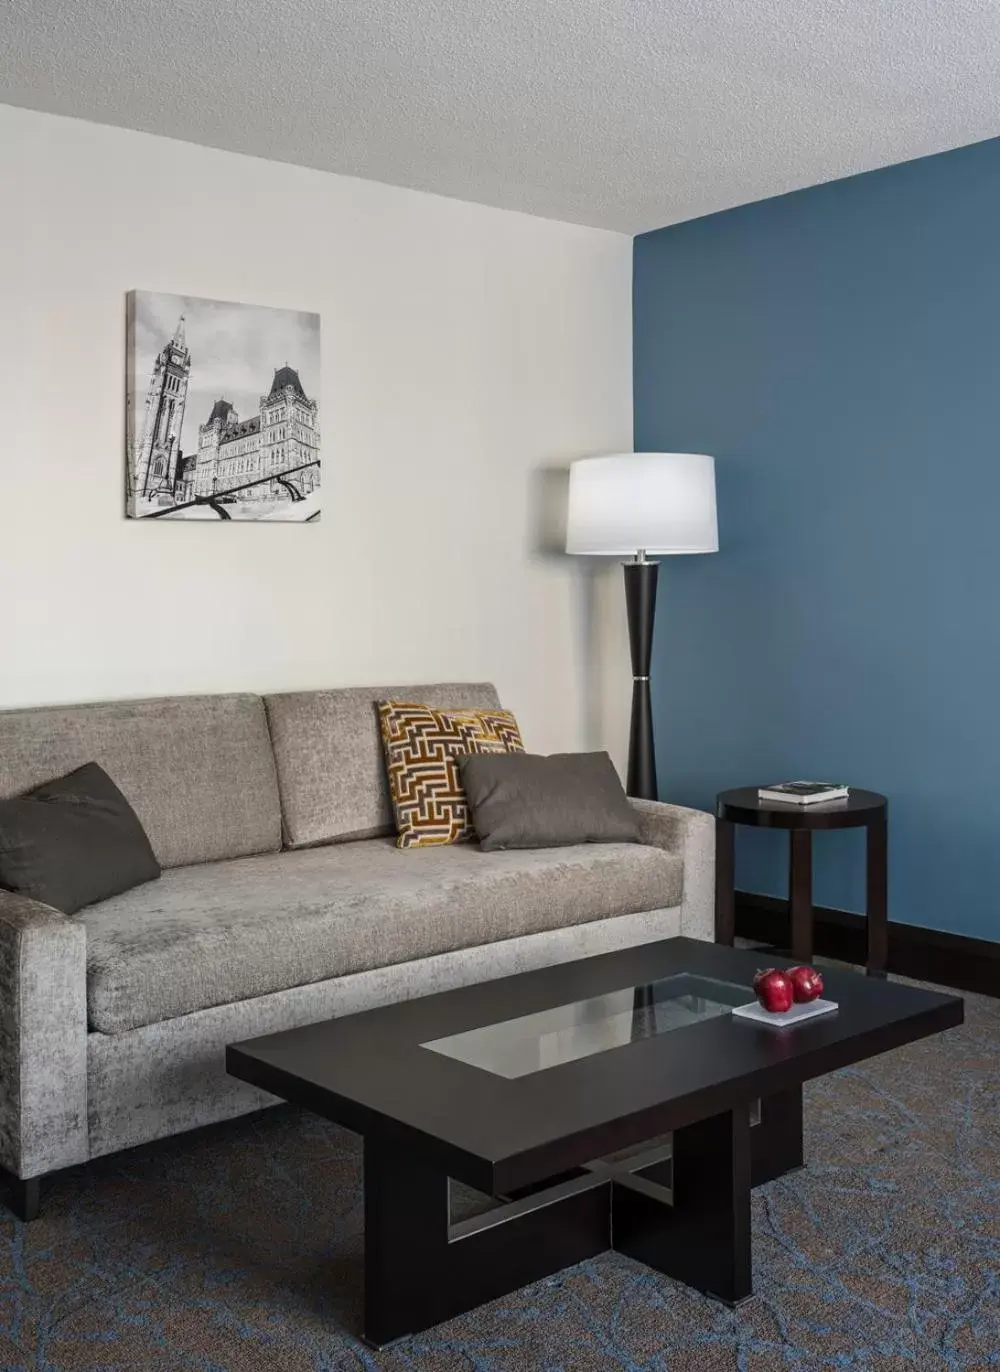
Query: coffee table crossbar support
(421, 1269)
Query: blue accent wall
(838, 350)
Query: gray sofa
(283, 900)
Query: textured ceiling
(608, 112)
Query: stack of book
(804, 792)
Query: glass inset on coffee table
(565, 1033)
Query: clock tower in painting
(159, 447)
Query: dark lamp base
(640, 604)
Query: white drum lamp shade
(657, 502)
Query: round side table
(862, 809)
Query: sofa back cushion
(197, 770)
(328, 751)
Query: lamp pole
(640, 606)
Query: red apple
(807, 983)
(774, 990)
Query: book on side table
(804, 792)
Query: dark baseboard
(965, 964)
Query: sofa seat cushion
(228, 931)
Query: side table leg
(725, 895)
(878, 897)
(800, 894)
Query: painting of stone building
(222, 409)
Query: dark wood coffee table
(541, 1084)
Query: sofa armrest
(690, 834)
(43, 1037)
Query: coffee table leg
(725, 895)
(406, 1241)
(800, 894)
(703, 1237)
(877, 897)
(776, 1142)
(421, 1269)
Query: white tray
(780, 1019)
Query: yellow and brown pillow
(421, 745)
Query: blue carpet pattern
(238, 1249)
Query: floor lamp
(631, 505)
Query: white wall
(464, 349)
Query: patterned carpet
(238, 1249)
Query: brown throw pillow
(526, 801)
(73, 841)
(421, 744)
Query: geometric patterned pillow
(421, 744)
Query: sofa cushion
(73, 841)
(328, 752)
(208, 935)
(197, 770)
(423, 745)
(521, 800)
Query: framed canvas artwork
(222, 410)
